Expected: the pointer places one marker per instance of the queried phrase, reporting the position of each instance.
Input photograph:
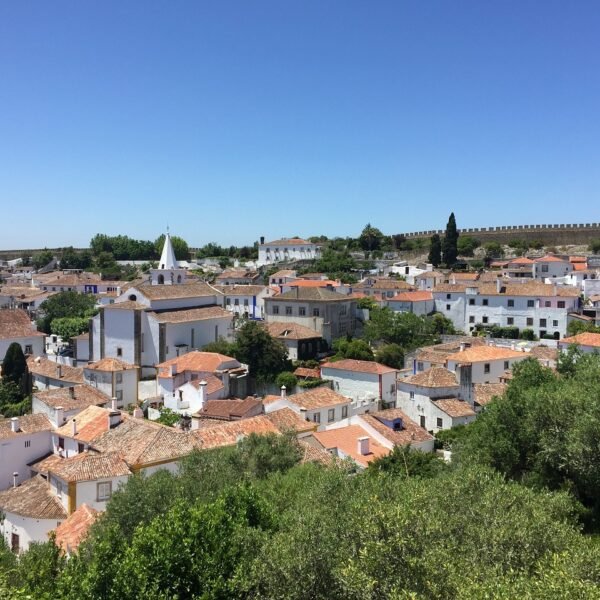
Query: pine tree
(435, 250)
(450, 243)
(14, 367)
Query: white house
(16, 326)
(245, 301)
(47, 374)
(368, 383)
(302, 343)
(287, 249)
(115, 379)
(551, 266)
(586, 342)
(418, 302)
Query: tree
(265, 356)
(435, 250)
(180, 246)
(168, 417)
(221, 346)
(14, 367)
(41, 259)
(355, 349)
(69, 259)
(390, 355)
(595, 246)
(450, 243)
(69, 327)
(493, 250)
(65, 304)
(370, 238)
(404, 462)
(288, 379)
(261, 455)
(466, 245)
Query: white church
(160, 319)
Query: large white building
(160, 319)
(287, 249)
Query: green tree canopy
(450, 242)
(69, 327)
(370, 238)
(435, 250)
(14, 366)
(180, 246)
(65, 304)
(355, 349)
(41, 259)
(390, 355)
(466, 245)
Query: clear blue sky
(231, 120)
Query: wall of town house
(205, 332)
(36, 343)
(39, 407)
(361, 387)
(452, 306)
(103, 381)
(87, 491)
(29, 530)
(119, 333)
(418, 308)
(16, 454)
(496, 369)
(551, 269)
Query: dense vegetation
(15, 383)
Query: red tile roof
(15, 323)
(432, 378)
(358, 366)
(70, 533)
(455, 408)
(43, 367)
(484, 354)
(409, 434)
(319, 397)
(33, 499)
(417, 296)
(346, 439)
(583, 339)
(208, 362)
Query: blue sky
(232, 120)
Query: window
(302, 311)
(471, 319)
(542, 322)
(561, 304)
(119, 351)
(119, 377)
(510, 321)
(486, 368)
(315, 312)
(228, 301)
(511, 303)
(61, 443)
(246, 302)
(506, 365)
(14, 543)
(544, 268)
(412, 395)
(288, 310)
(344, 412)
(547, 303)
(27, 443)
(484, 319)
(119, 395)
(529, 321)
(80, 448)
(331, 415)
(419, 366)
(530, 303)
(103, 491)
(471, 301)
(276, 310)
(236, 302)
(422, 421)
(555, 323)
(440, 422)
(484, 302)
(28, 349)
(317, 417)
(447, 307)
(448, 296)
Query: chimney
(113, 403)
(15, 478)
(555, 290)
(262, 239)
(173, 369)
(283, 391)
(303, 413)
(72, 392)
(363, 445)
(138, 413)
(114, 418)
(498, 285)
(74, 427)
(202, 392)
(14, 424)
(59, 411)
(463, 346)
(58, 371)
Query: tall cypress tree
(14, 367)
(450, 244)
(435, 250)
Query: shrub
(288, 379)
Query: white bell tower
(168, 272)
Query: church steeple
(168, 273)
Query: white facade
(27, 529)
(420, 307)
(488, 371)
(33, 345)
(287, 250)
(122, 385)
(551, 268)
(18, 451)
(322, 415)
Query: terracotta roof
(417, 296)
(430, 275)
(578, 259)
(43, 367)
(579, 267)
(583, 339)
(124, 305)
(213, 383)
(490, 277)
(241, 290)
(91, 422)
(15, 323)
(228, 409)
(288, 242)
(69, 279)
(196, 360)
(437, 354)
(544, 353)
(73, 397)
(238, 274)
(531, 288)
(346, 438)
(229, 433)
(87, 466)
(549, 258)
(358, 366)
(522, 260)
(312, 454)
(110, 364)
(319, 397)
(28, 424)
(484, 354)
(291, 331)
(283, 273)
(410, 433)
(33, 499)
(305, 372)
(191, 314)
(464, 276)
(484, 392)
(70, 533)
(22, 293)
(383, 284)
(308, 283)
(286, 419)
(182, 290)
(456, 288)
(310, 293)
(455, 408)
(432, 378)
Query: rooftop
(28, 424)
(485, 392)
(291, 331)
(416, 296)
(228, 409)
(196, 360)
(228, 434)
(484, 354)
(319, 397)
(433, 377)
(110, 364)
(286, 419)
(583, 339)
(345, 439)
(455, 408)
(15, 323)
(32, 499)
(87, 466)
(191, 314)
(241, 290)
(73, 397)
(410, 432)
(287, 242)
(70, 533)
(43, 367)
(310, 293)
(358, 366)
(183, 290)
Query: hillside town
(104, 379)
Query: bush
(288, 379)
(528, 334)
(309, 384)
(595, 246)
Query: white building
(418, 302)
(115, 379)
(47, 374)
(369, 384)
(16, 326)
(246, 301)
(551, 266)
(287, 250)
(161, 319)
(586, 342)
(302, 343)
